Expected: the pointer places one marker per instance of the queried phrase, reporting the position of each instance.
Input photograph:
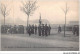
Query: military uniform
(32, 29)
(74, 30)
(77, 30)
(43, 31)
(35, 29)
(59, 29)
(29, 30)
(39, 30)
(49, 30)
(46, 30)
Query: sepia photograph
(39, 25)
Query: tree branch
(29, 7)
(4, 10)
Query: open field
(54, 42)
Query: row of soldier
(41, 30)
(12, 29)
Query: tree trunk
(4, 20)
(65, 26)
(27, 20)
(27, 23)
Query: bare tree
(65, 12)
(4, 11)
(29, 8)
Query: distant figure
(46, 30)
(32, 29)
(35, 28)
(77, 30)
(39, 30)
(29, 30)
(74, 30)
(42, 27)
(59, 29)
(49, 29)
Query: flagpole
(40, 19)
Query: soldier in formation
(49, 30)
(44, 30)
(35, 29)
(15, 30)
(29, 30)
(41, 30)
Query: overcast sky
(49, 9)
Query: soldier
(39, 30)
(43, 31)
(59, 29)
(35, 29)
(26, 29)
(32, 29)
(77, 30)
(49, 30)
(46, 30)
(29, 30)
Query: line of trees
(28, 8)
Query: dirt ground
(54, 42)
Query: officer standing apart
(74, 30)
(59, 29)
